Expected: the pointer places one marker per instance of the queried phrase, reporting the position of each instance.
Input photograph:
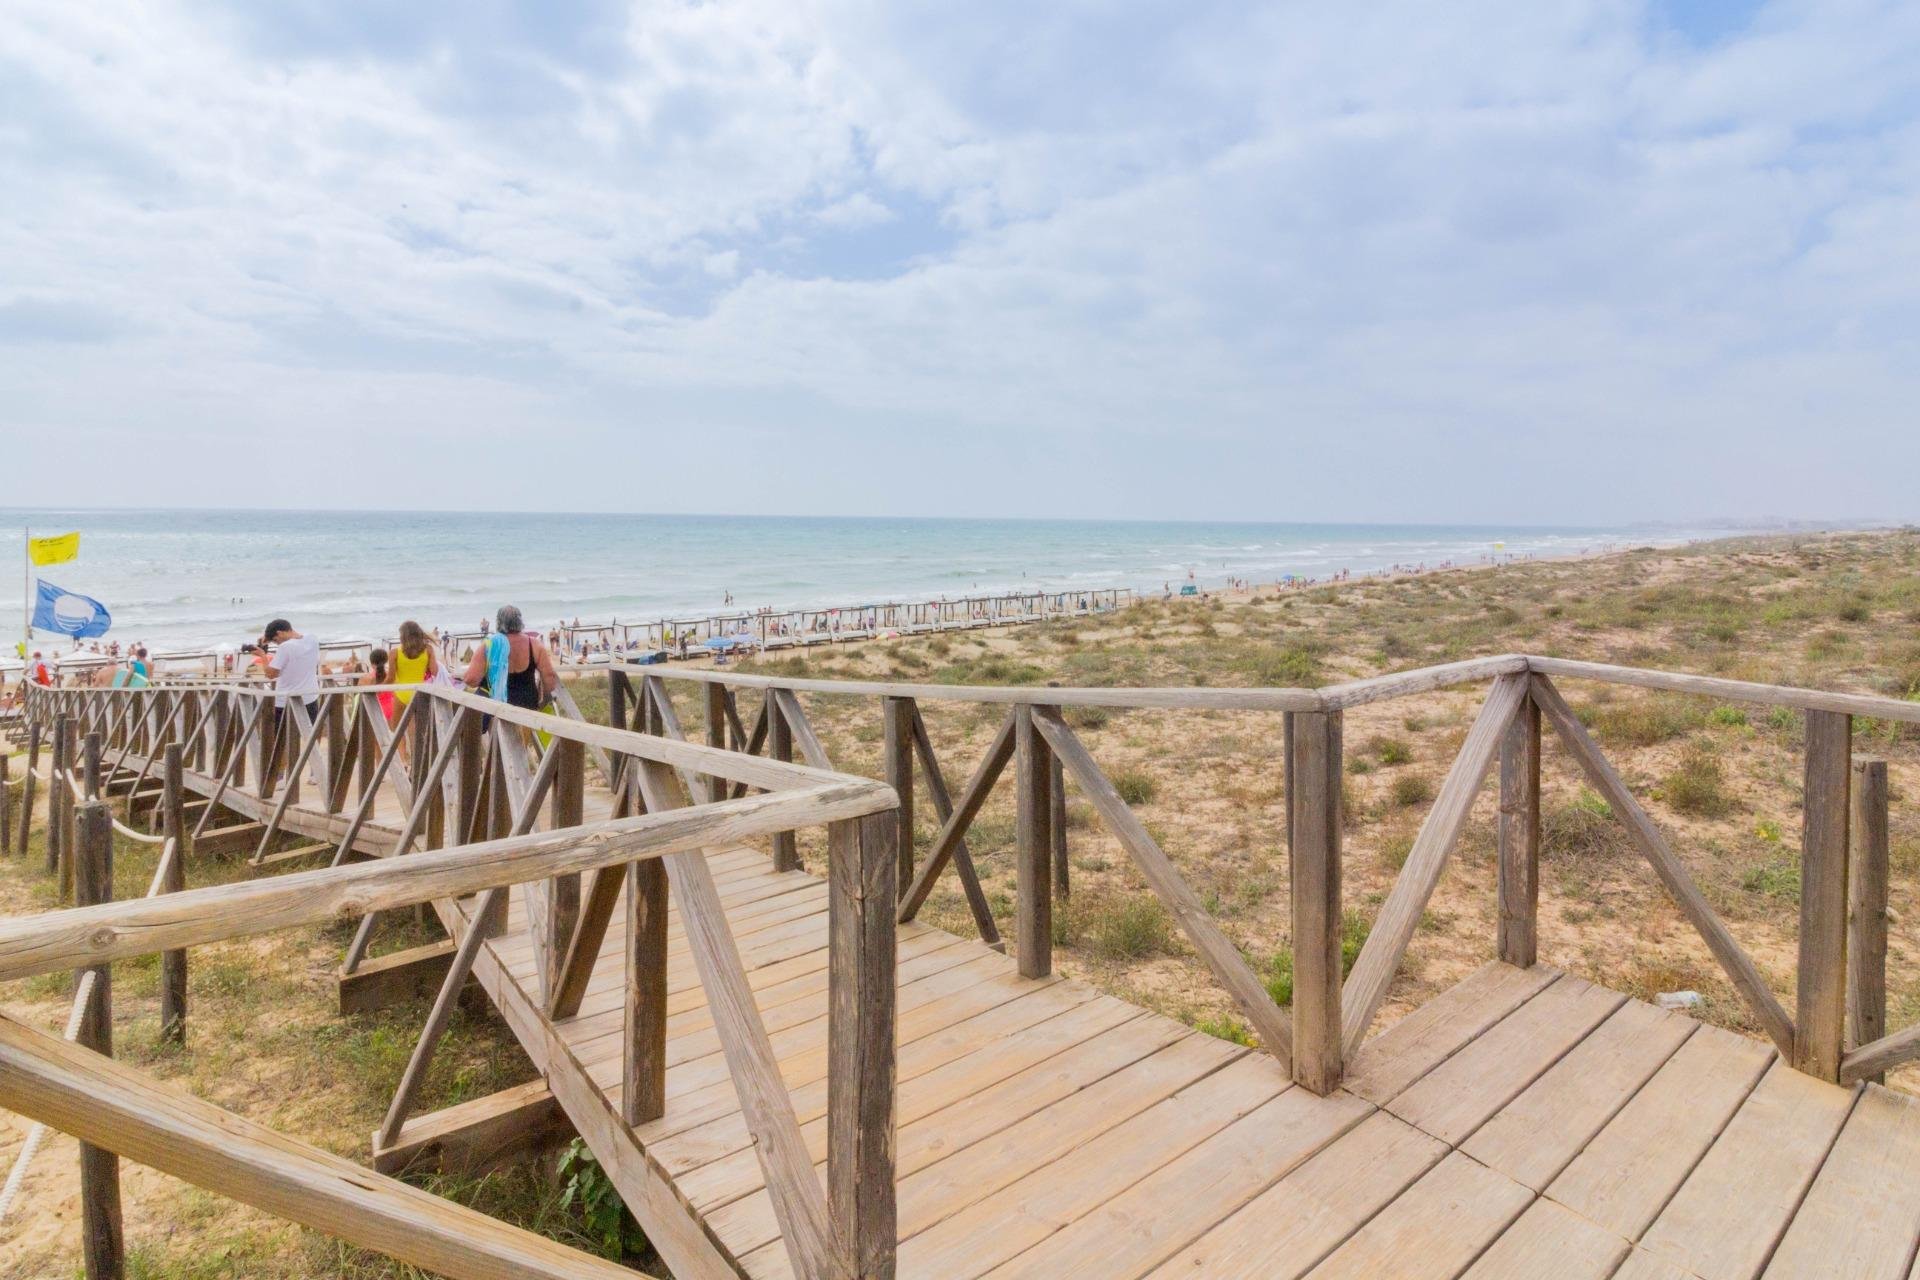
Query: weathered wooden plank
(1536, 1135)
(1413, 1046)
(98, 1100)
(1460, 1094)
(1631, 1168)
(1550, 1240)
(1393, 928)
(395, 978)
(478, 1135)
(968, 1236)
(1434, 1228)
(1215, 948)
(1763, 1162)
(100, 1230)
(1672, 872)
(1820, 1014)
(896, 752)
(1148, 1221)
(1861, 1218)
(1295, 1223)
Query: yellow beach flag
(55, 550)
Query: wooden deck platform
(1525, 1123)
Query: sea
(204, 579)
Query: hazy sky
(1544, 261)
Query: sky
(1552, 262)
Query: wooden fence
(477, 791)
(1835, 1030)
(481, 780)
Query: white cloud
(1401, 262)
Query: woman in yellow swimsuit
(414, 662)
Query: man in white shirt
(295, 669)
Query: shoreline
(1205, 589)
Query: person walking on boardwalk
(415, 661)
(513, 666)
(294, 667)
(376, 673)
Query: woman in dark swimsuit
(531, 678)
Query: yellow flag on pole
(55, 550)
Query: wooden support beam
(786, 853)
(482, 926)
(716, 723)
(897, 739)
(477, 1136)
(1316, 857)
(370, 786)
(101, 1101)
(340, 755)
(309, 734)
(1393, 929)
(1666, 864)
(1033, 852)
(236, 759)
(100, 1232)
(1867, 907)
(862, 868)
(1215, 948)
(173, 964)
(1519, 875)
(1820, 1016)
(27, 787)
(396, 978)
(768, 1111)
(952, 839)
(795, 717)
(643, 1070)
(1057, 831)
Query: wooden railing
(1835, 1031)
(481, 773)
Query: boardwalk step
(223, 839)
(413, 974)
(475, 1136)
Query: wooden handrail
(82, 936)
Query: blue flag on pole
(68, 613)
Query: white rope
(168, 852)
(38, 1134)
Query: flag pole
(26, 582)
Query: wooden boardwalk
(1525, 1123)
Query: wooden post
(60, 807)
(1316, 856)
(1519, 925)
(173, 964)
(786, 853)
(716, 704)
(1867, 908)
(897, 750)
(1057, 828)
(26, 787)
(339, 771)
(6, 804)
(569, 810)
(862, 866)
(1033, 925)
(90, 764)
(426, 741)
(99, 1168)
(1821, 1016)
(469, 776)
(269, 745)
(643, 1094)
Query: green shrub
(1289, 667)
(1582, 830)
(1353, 936)
(604, 1215)
(1389, 751)
(1129, 928)
(1359, 765)
(1411, 789)
(1779, 878)
(1088, 717)
(1857, 609)
(1135, 786)
(1727, 716)
(1224, 1027)
(1645, 721)
(1395, 847)
(1697, 786)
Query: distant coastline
(198, 579)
